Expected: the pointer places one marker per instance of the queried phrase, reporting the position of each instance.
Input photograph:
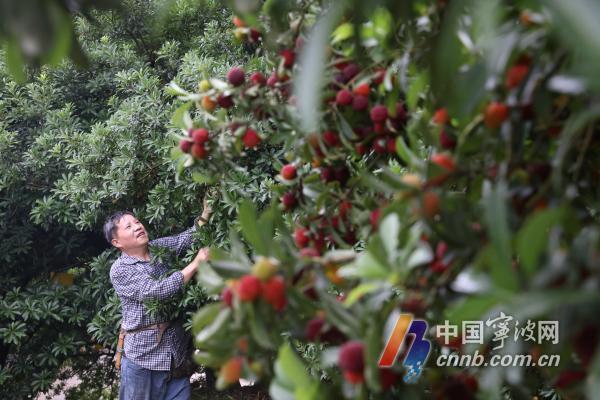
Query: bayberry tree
(434, 158)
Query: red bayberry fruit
(199, 151)
(495, 114)
(200, 136)
(312, 330)
(227, 296)
(379, 76)
(257, 78)
(250, 138)
(345, 207)
(444, 161)
(273, 79)
(441, 249)
(387, 378)
(441, 117)
(340, 65)
(254, 35)
(343, 97)
(331, 138)
(237, 21)
(273, 292)
(288, 200)
(374, 218)
(185, 145)
(391, 145)
(327, 174)
(400, 113)
(288, 58)
(354, 377)
(341, 174)
(231, 371)
(431, 204)
(446, 141)
(301, 237)
(309, 252)
(515, 75)
(379, 113)
(352, 357)
(380, 146)
(350, 71)
(360, 149)
(568, 378)
(438, 266)
(288, 172)
(362, 90)
(360, 103)
(225, 101)
(236, 76)
(249, 288)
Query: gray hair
(111, 224)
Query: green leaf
(230, 268)
(209, 279)
(358, 292)
(471, 308)
(389, 231)
(63, 37)
(278, 391)
(366, 266)
(342, 32)
(576, 23)
(216, 326)
(14, 61)
(259, 329)
(417, 87)
(179, 116)
(342, 318)
(496, 219)
(202, 179)
(308, 86)
(405, 153)
(250, 227)
(293, 366)
(206, 315)
(533, 237)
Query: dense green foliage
(78, 144)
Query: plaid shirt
(136, 280)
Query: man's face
(130, 234)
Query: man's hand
(206, 211)
(191, 269)
(202, 255)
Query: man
(155, 349)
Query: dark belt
(162, 327)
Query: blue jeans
(138, 383)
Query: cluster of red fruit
(375, 125)
(261, 283)
(196, 144)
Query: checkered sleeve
(179, 242)
(135, 283)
